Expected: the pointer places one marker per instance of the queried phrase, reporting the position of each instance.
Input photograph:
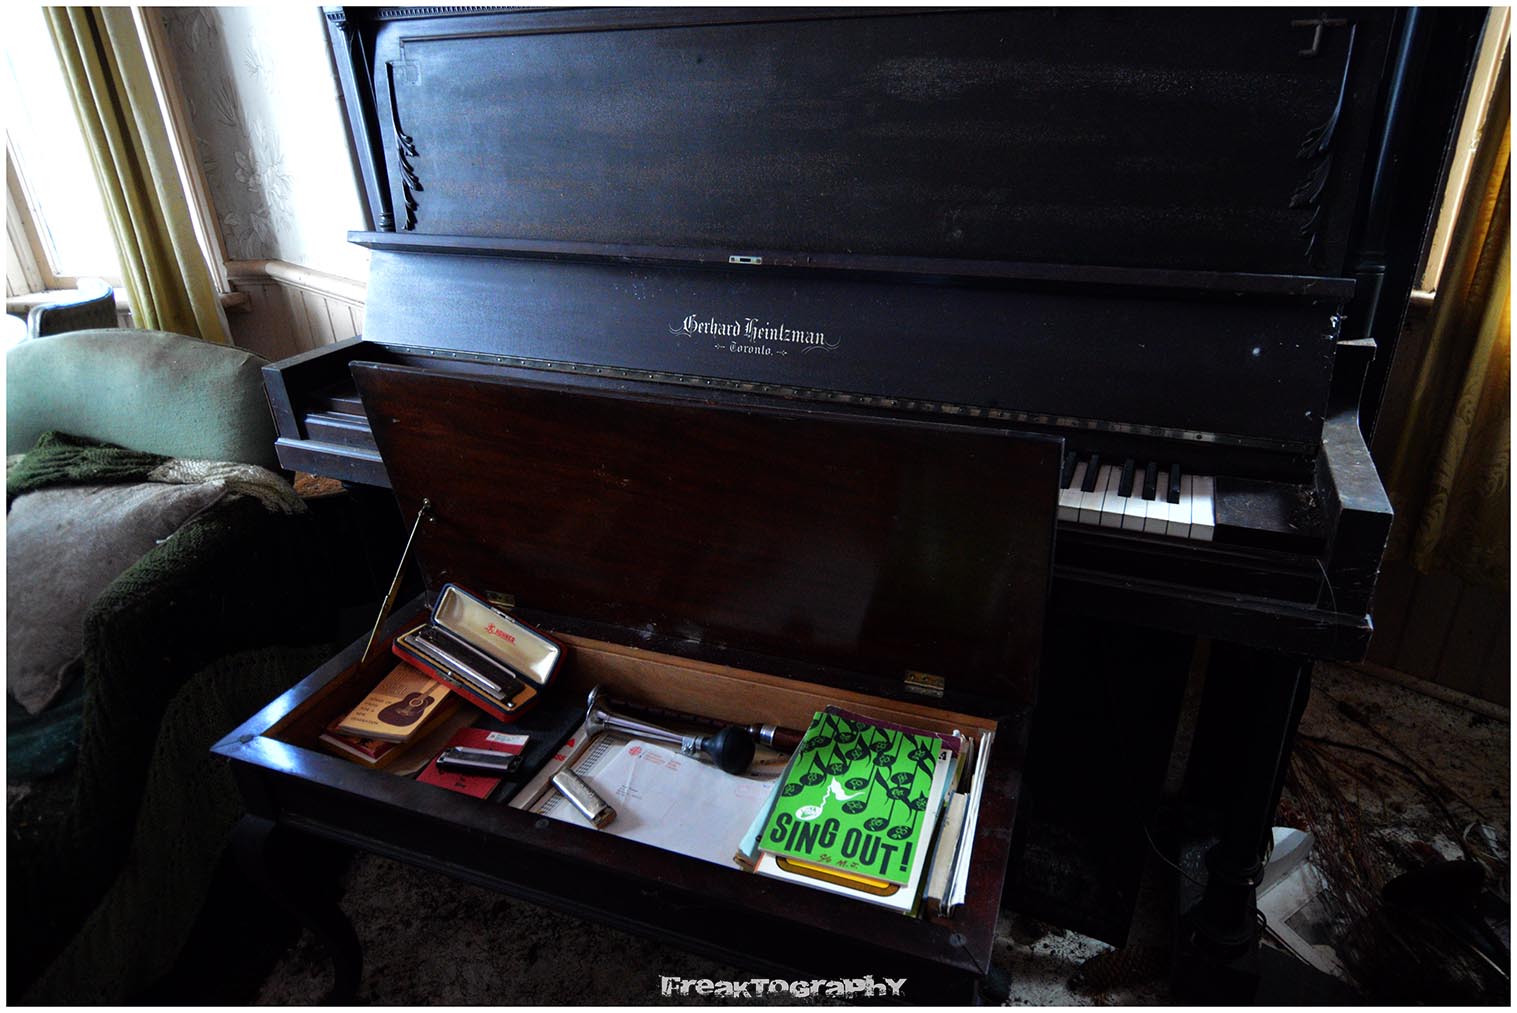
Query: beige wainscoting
(1441, 628)
(291, 309)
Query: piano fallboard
(1258, 364)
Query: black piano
(1181, 240)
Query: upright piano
(1182, 240)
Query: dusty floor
(429, 940)
(511, 953)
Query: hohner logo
(752, 336)
(491, 628)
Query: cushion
(63, 547)
(148, 390)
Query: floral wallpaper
(266, 114)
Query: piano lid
(796, 542)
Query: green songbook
(855, 798)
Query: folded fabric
(61, 459)
(41, 745)
(265, 486)
(57, 571)
(63, 547)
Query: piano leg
(1252, 706)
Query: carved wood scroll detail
(405, 150)
(1316, 148)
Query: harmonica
(432, 643)
(468, 760)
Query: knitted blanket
(133, 936)
(61, 459)
(238, 580)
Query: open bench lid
(837, 546)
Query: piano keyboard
(1140, 498)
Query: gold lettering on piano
(752, 336)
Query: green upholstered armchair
(119, 816)
(148, 390)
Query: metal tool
(775, 737)
(731, 748)
(400, 576)
(783, 740)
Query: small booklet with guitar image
(402, 758)
(377, 753)
(855, 812)
(404, 702)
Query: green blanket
(60, 459)
(137, 930)
(210, 624)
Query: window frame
(29, 249)
(1490, 55)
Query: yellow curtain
(106, 68)
(1451, 474)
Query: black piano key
(1151, 480)
(1068, 474)
(1174, 484)
(1092, 466)
(1124, 484)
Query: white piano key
(1179, 513)
(1134, 509)
(1111, 503)
(1090, 502)
(1156, 512)
(1203, 516)
(1069, 499)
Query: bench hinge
(925, 685)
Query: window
(1493, 44)
(62, 233)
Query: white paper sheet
(669, 800)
